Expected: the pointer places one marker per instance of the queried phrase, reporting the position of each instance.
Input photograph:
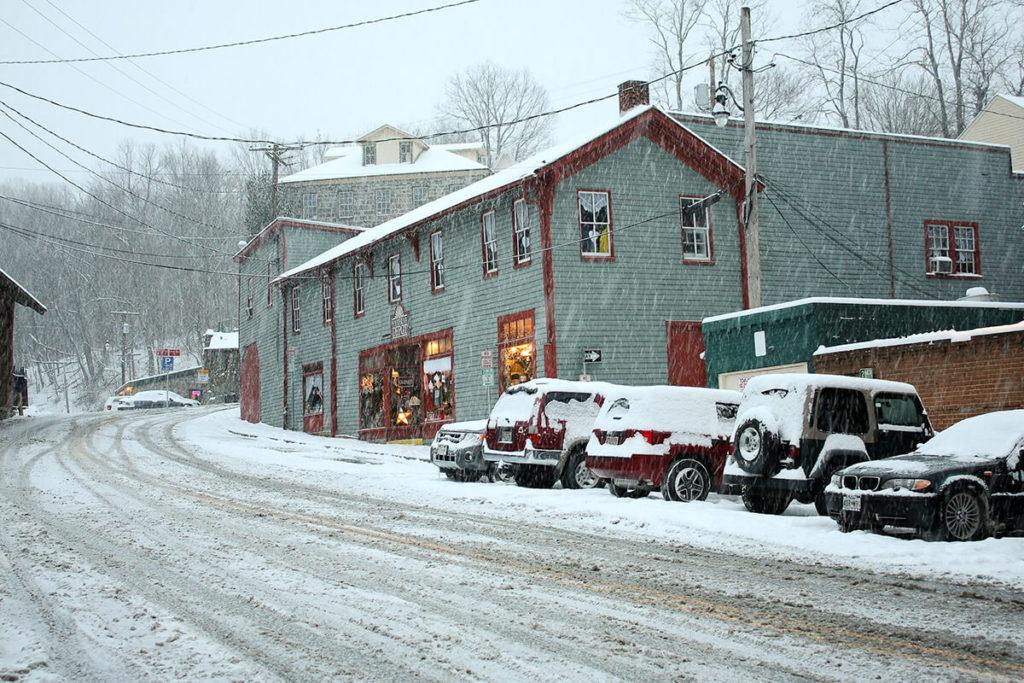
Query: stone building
(386, 174)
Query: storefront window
(405, 401)
(313, 391)
(371, 399)
(437, 378)
(517, 353)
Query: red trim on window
(296, 310)
(399, 298)
(516, 262)
(611, 226)
(505, 342)
(710, 261)
(356, 311)
(327, 296)
(951, 250)
(434, 287)
(248, 298)
(483, 243)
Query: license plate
(505, 435)
(612, 440)
(851, 503)
(442, 451)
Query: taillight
(793, 452)
(652, 437)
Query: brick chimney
(633, 94)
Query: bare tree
(672, 24)
(837, 56)
(901, 101)
(721, 24)
(504, 104)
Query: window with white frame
(327, 297)
(358, 285)
(296, 309)
(595, 223)
(693, 216)
(436, 262)
(489, 237)
(270, 276)
(248, 301)
(394, 278)
(521, 230)
(405, 152)
(369, 153)
(346, 204)
(383, 202)
(419, 196)
(309, 205)
(953, 248)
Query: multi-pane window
(595, 224)
(696, 229)
(358, 283)
(953, 248)
(309, 205)
(521, 228)
(436, 261)
(346, 204)
(327, 297)
(270, 276)
(394, 278)
(369, 153)
(489, 237)
(419, 196)
(383, 202)
(248, 300)
(296, 306)
(405, 152)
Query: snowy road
(191, 545)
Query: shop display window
(517, 353)
(371, 399)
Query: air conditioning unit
(941, 265)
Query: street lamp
(721, 110)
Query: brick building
(386, 174)
(957, 374)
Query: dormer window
(369, 153)
(405, 152)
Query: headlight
(837, 480)
(908, 484)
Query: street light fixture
(721, 110)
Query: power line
(28, 233)
(241, 43)
(823, 29)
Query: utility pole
(125, 329)
(275, 153)
(753, 240)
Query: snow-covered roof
(923, 338)
(273, 225)
(865, 302)
(221, 341)
(21, 295)
(348, 163)
(493, 183)
(1019, 101)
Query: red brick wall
(955, 379)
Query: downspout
(888, 215)
(334, 357)
(546, 203)
(284, 373)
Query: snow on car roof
(988, 435)
(516, 402)
(467, 426)
(667, 408)
(801, 381)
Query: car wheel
(576, 474)
(618, 491)
(535, 476)
(963, 515)
(765, 502)
(757, 448)
(820, 504)
(687, 479)
(847, 523)
(503, 472)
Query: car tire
(763, 502)
(686, 480)
(535, 476)
(576, 474)
(962, 515)
(847, 523)
(757, 448)
(503, 472)
(820, 504)
(618, 491)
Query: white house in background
(387, 173)
(1001, 122)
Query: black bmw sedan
(964, 484)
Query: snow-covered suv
(794, 431)
(543, 426)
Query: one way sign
(592, 356)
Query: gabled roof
(388, 131)
(20, 294)
(348, 163)
(275, 226)
(559, 162)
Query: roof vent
(978, 294)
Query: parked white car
(156, 398)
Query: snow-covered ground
(720, 523)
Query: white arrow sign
(592, 356)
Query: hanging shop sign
(399, 323)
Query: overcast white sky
(339, 84)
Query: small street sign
(203, 376)
(166, 363)
(487, 358)
(592, 356)
(168, 352)
(487, 376)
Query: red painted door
(686, 354)
(250, 381)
